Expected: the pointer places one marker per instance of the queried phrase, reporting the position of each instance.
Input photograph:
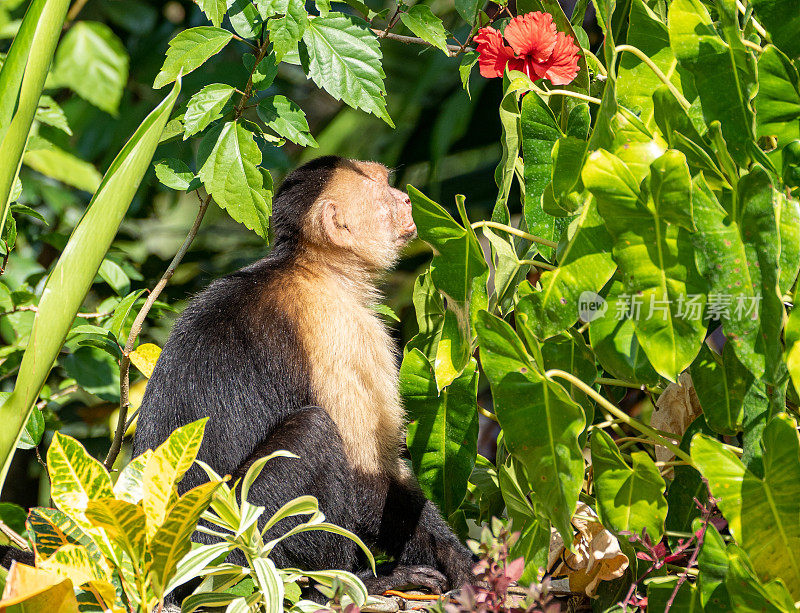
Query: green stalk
(72, 276)
(21, 82)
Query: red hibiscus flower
(537, 48)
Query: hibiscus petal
(532, 35)
(562, 67)
(494, 55)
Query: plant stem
(515, 232)
(757, 26)
(35, 309)
(488, 414)
(248, 90)
(538, 264)
(453, 50)
(657, 71)
(621, 415)
(125, 361)
(617, 383)
(752, 45)
(11, 535)
(568, 94)
(60, 393)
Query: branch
(136, 328)
(35, 309)
(248, 90)
(453, 50)
(19, 542)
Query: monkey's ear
(334, 226)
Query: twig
(15, 538)
(125, 361)
(568, 94)
(761, 31)
(453, 50)
(73, 12)
(248, 90)
(35, 309)
(60, 393)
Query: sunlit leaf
(189, 50)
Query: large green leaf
(171, 542)
(628, 498)
(50, 529)
(230, 173)
(540, 131)
(723, 69)
(189, 50)
(459, 272)
(723, 387)
(614, 341)
(636, 81)
(540, 421)
(92, 61)
(778, 99)
(443, 429)
(344, 58)
(782, 20)
(585, 265)
(763, 513)
(789, 228)
(22, 78)
(214, 10)
(514, 85)
(56, 163)
(653, 251)
(75, 270)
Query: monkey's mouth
(408, 231)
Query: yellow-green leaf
(144, 357)
(171, 542)
(123, 522)
(31, 590)
(73, 562)
(75, 477)
(165, 468)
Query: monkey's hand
(401, 577)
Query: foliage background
(444, 143)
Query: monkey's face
(365, 215)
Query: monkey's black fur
(234, 357)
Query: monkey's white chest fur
(354, 373)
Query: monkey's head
(344, 208)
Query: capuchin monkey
(288, 353)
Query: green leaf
(76, 478)
(34, 429)
(687, 488)
(509, 270)
(230, 173)
(628, 498)
(244, 17)
(722, 388)
(443, 429)
(54, 162)
(175, 174)
(614, 341)
(263, 74)
(723, 69)
(782, 20)
(778, 100)
(636, 81)
(540, 131)
(129, 483)
(761, 513)
(286, 119)
(286, 31)
(121, 312)
(344, 58)
(50, 529)
(427, 26)
(653, 253)
(748, 593)
(713, 565)
(95, 371)
(189, 50)
(113, 274)
(513, 89)
(459, 271)
(171, 542)
(540, 421)
(50, 113)
(660, 592)
(585, 265)
(204, 107)
(270, 584)
(214, 10)
(92, 61)
(789, 227)
(469, 9)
